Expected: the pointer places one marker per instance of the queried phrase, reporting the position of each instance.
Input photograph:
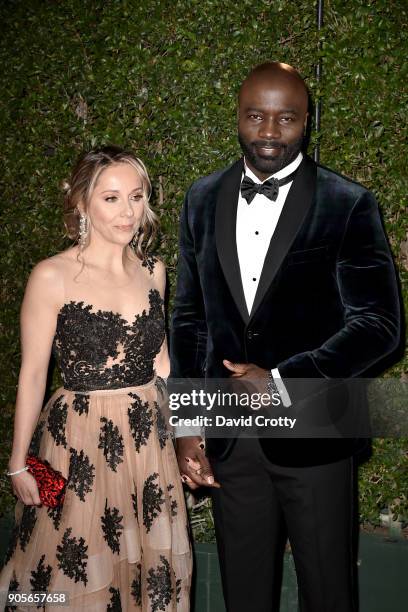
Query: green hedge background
(161, 77)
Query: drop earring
(83, 229)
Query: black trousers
(259, 506)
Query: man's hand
(194, 467)
(254, 378)
(248, 371)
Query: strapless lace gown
(120, 540)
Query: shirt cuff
(280, 385)
(182, 431)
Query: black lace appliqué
(13, 586)
(153, 499)
(36, 439)
(178, 587)
(57, 419)
(41, 577)
(136, 586)
(86, 341)
(81, 403)
(72, 557)
(173, 503)
(81, 473)
(159, 587)
(28, 521)
(134, 503)
(161, 425)
(140, 421)
(115, 604)
(80, 331)
(55, 515)
(112, 527)
(111, 442)
(149, 262)
(12, 543)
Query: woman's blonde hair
(83, 180)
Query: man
(289, 279)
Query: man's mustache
(269, 144)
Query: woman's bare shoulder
(152, 270)
(155, 269)
(67, 257)
(159, 267)
(48, 274)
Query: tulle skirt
(120, 540)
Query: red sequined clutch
(51, 483)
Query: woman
(120, 539)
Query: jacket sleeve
(188, 338)
(368, 290)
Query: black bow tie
(269, 188)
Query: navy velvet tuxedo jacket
(327, 303)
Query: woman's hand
(26, 489)
(193, 464)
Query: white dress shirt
(256, 224)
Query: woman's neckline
(102, 312)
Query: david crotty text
(222, 421)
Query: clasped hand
(193, 464)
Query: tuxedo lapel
(298, 202)
(225, 233)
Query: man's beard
(269, 165)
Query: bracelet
(271, 386)
(24, 469)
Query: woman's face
(116, 205)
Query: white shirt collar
(278, 175)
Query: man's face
(272, 119)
